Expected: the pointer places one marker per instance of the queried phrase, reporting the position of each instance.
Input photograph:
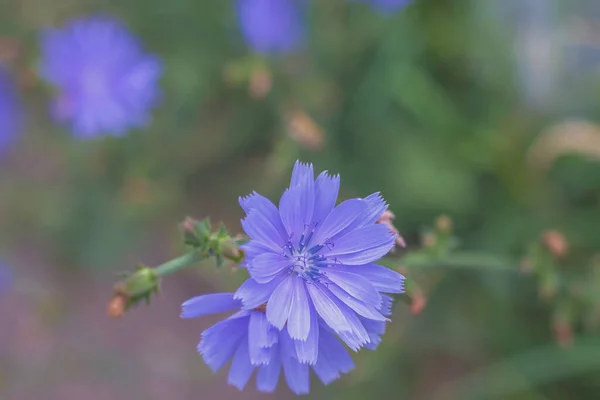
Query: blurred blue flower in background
(311, 259)
(5, 276)
(253, 343)
(271, 26)
(388, 6)
(106, 83)
(10, 111)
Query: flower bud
(139, 285)
(116, 306)
(429, 240)
(556, 243)
(260, 83)
(444, 224)
(563, 331)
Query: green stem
(464, 260)
(178, 263)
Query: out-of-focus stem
(181, 262)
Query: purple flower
(254, 344)
(271, 26)
(5, 276)
(310, 260)
(106, 83)
(387, 6)
(10, 111)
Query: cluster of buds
(203, 244)
(199, 236)
(575, 299)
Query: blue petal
(268, 375)
(375, 330)
(327, 308)
(209, 304)
(280, 302)
(356, 286)
(307, 351)
(264, 229)
(296, 209)
(386, 304)
(382, 278)
(302, 174)
(296, 374)
(299, 318)
(251, 250)
(339, 218)
(375, 207)
(241, 369)
(361, 246)
(254, 294)
(326, 193)
(367, 311)
(358, 335)
(265, 267)
(220, 341)
(256, 203)
(333, 359)
(260, 331)
(260, 338)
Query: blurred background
(485, 111)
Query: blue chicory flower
(387, 6)
(106, 82)
(10, 111)
(271, 26)
(254, 344)
(310, 260)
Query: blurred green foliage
(427, 106)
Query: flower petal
(326, 193)
(382, 278)
(375, 329)
(280, 302)
(307, 350)
(327, 308)
(220, 341)
(339, 218)
(358, 335)
(296, 374)
(256, 203)
(265, 267)
(260, 331)
(386, 305)
(254, 294)
(264, 229)
(268, 375)
(251, 250)
(356, 286)
(302, 174)
(209, 304)
(362, 309)
(299, 320)
(375, 208)
(296, 209)
(260, 338)
(241, 369)
(333, 359)
(361, 246)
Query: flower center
(305, 260)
